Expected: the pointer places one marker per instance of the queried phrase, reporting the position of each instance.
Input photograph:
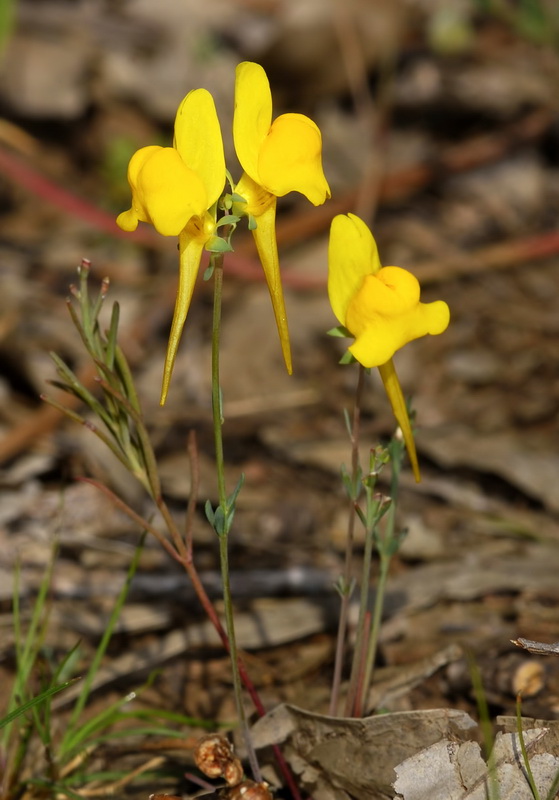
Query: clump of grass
(39, 747)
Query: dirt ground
(443, 132)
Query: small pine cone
(249, 790)
(233, 772)
(213, 755)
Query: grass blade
(40, 698)
(73, 723)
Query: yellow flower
(176, 189)
(380, 308)
(277, 157)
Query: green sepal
(340, 332)
(252, 224)
(218, 245)
(228, 219)
(229, 178)
(347, 358)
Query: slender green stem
(387, 544)
(347, 578)
(216, 387)
(224, 505)
(353, 702)
(375, 624)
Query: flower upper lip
(284, 155)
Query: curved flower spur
(176, 189)
(277, 158)
(380, 308)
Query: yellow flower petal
(165, 192)
(383, 336)
(253, 115)
(398, 404)
(352, 254)
(377, 343)
(257, 198)
(128, 220)
(191, 245)
(138, 161)
(385, 296)
(385, 314)
(199, 142)
(291, 159)
(265, 239)
(436, 317)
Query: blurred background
(440, 124)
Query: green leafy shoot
(118, 410)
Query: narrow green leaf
(77, 388)
(127, 380)
(232, 499)
(210, 515)
(112, 337)
(35, 701)
(348, 423)
(219, 521)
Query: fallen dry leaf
(336, 758)
(451, 771)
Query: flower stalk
(387, 544)
(221, 519)
(376, 506)
(345, 585)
